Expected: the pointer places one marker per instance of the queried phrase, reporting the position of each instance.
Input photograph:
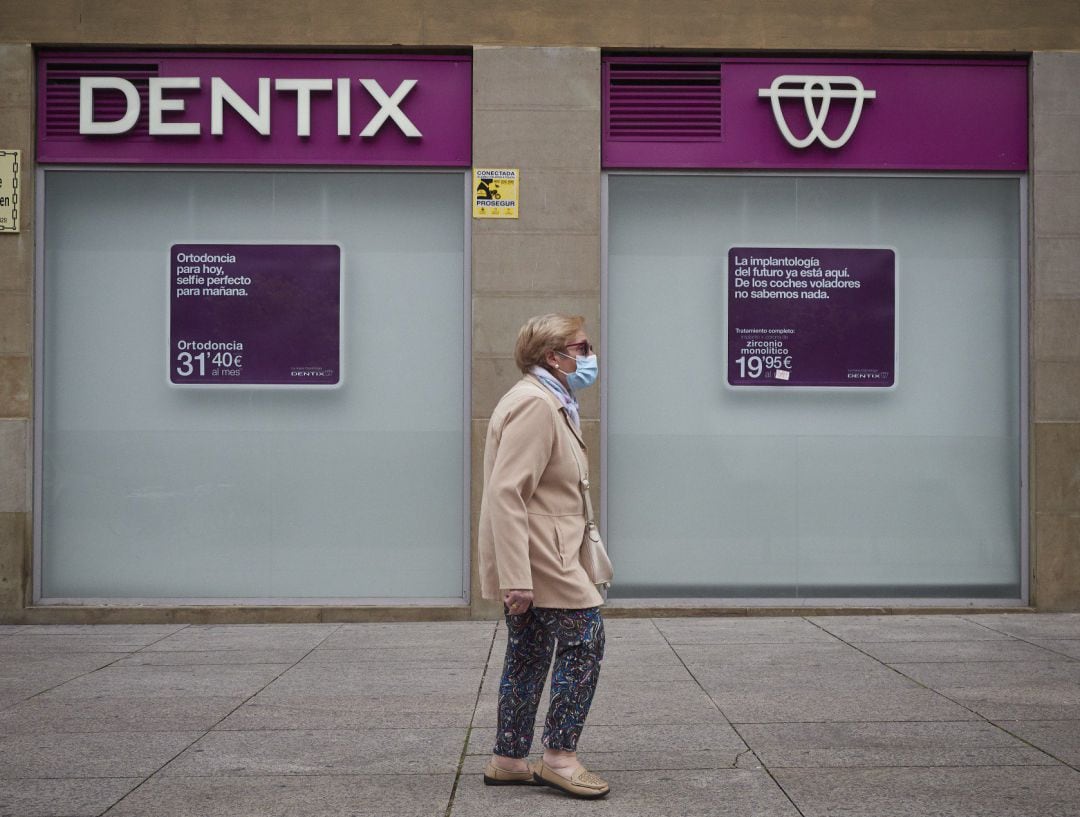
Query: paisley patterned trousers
(577, 639)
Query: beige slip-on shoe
(494, 776)
(582, 783)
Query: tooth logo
(817, 93)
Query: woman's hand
(518, 601)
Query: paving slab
(611, 680)
(1045, 701)
(16, 690)
(670, 760)
(1060, 738)
(111, 754)
(877, 735)
(14, 697)
(764, 657)
(53, 665)
(617, 653)
(47, 713)
(1061, 646)
(167, 658)
(741, 631)
(673, 793)
(66, 644)
(435, 634)
(171, 681)
(897, 758)
(322, 752)
(290, 796)
(1006, 791)
(627, 673)
(428, 656)
(749, 677)
(598, 738)
(966, 743)
(674, 702)
(1039, 625)
(905, 628)
(628, 652)
(628, 631)
(610, 674)
(1015, 674)
(351, 712)
(898, 652)
(246, 637)
(62, 798)
(651, 648)
(373, 680)
(140, 632)
(818, 705)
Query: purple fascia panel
(925, 115)
(439, 106)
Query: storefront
(253, 321)
(252, 328)
(815, 328)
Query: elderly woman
(532, 521)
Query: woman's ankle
(560, 759)
(510, 763)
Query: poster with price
(800, 317)
(255, 315)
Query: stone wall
(1055, 345)
(547, 260)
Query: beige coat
(532, 516)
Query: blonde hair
(542, 334)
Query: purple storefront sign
(767, 113)
(821, 317)
(255, 315)
(177, 108)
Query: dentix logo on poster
(166, 97)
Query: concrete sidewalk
(848, 715)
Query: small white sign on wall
(10, 165)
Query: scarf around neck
(565, 396)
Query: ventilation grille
(658, 101)
(62, 95)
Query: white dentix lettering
(303, 89)
(388, 108)
(87, 123)
(159, 104)
(221, 92)
(167, 105)
(344, 107)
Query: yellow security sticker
(495, 192)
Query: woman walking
(532, 522)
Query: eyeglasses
(585, 347)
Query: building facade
(256, 314)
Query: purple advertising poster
(255, 315)
(808, 317)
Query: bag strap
(583, 481)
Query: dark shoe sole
(542, 782)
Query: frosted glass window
(151, 491)
(720, 492)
